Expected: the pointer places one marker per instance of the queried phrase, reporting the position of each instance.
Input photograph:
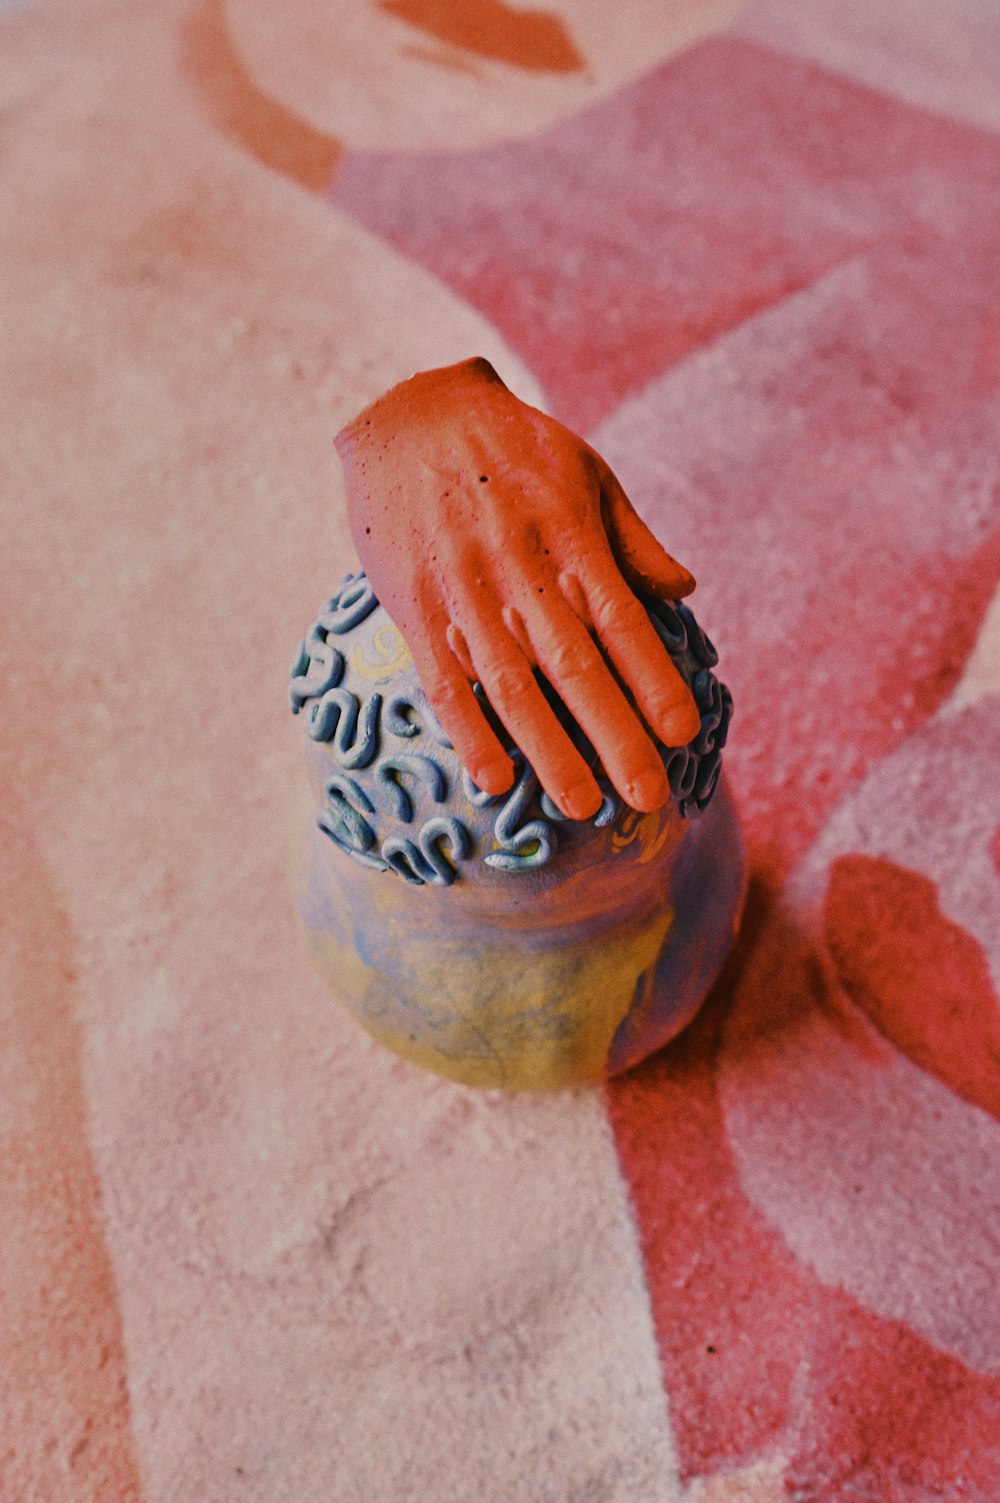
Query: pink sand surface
(245, 1254)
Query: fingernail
(582, 801)
(495, 777)
(649, 791)
(680, 724)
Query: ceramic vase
(491, 939)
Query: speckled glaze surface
(489, 938)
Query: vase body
(490, 939)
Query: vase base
(520, 1009)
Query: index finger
(450, 696)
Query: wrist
(417, 402)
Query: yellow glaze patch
(627, 829)
(391, 655)
(652, 834)
(518, 1018)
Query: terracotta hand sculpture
(499, 542)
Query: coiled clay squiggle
(527, 845)
(415, 813)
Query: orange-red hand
(499, 542)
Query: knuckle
(507, 686)
(514, 622)
(459, 646)
(441, 690)
(567, 666)
(618, 614)
(574, 594)
(455, 638)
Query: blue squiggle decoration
(477, 798)
(693, 770)
(668, 625)
(444, 827)
(708, 776)
(611, 806)
(709, 701)
(354, 724)
(352, 604)
(397, 721)
(300, 663)
(682, 770)
(423, 861)
(711, 738)
(513, 837)
(699, 641)
(405, 859)
(722, 734)
(305, 685)
(344, 821)
(424, 769)
(354, 728)
(339, 785)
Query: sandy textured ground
(751, 253)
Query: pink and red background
(751, 253)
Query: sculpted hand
(499, 543)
